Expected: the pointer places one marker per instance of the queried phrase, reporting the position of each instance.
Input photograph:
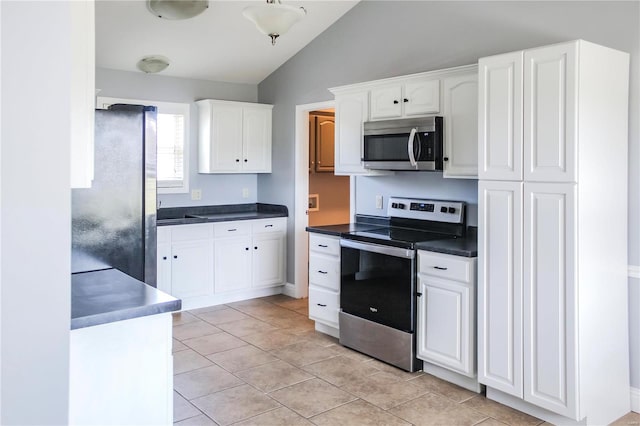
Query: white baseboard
(289, 290)
(635, 400)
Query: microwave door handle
(410, 142)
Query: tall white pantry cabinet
(552, 244)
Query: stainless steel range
(378, 278)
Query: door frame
(301, 184)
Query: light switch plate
(196, 194)
(245, 192)
(378, 201)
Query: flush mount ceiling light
(177, 9)
(274, 18)
(153, 64)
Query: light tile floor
(260, 362)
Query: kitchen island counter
(106, 296)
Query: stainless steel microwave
(405, 144)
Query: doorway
(306, 125)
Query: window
(172, 142)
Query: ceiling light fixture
(274, 18)
(177, 9)
(153, 64)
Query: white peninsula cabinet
(446, 335)
(234, 137)
(212, 263)
(324, 282)
(552, 243)
(451, 93)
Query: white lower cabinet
(324, 282)
(208, 264)
(446, 311)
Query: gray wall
(378, 39)
(35, 220)
(216, 188)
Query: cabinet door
(164, 267)
(351, 112)
(225, 140)
(312, 143)
(461, 126)
(232, 262)
(500, 117)
(445, 324)
(386, 102)
(325, 148)
(268, 260)
(550, 297)
(256, 140)
(421, 97)
(192, 269)
(550, 90)
(500, 286)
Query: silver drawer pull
(440, 268)
(373, 309)
(231, 230)
(268, 226)
(323, 245)
(323, 272)
(321, 305)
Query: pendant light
(274, 18)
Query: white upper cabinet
(460, 102)
(234, 137)
(82, 92)
(415, 97)
(500, 117)
(352, 110)
(550, 88)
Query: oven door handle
(380, 249)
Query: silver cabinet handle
(321, 305)
(231, 230)
(440, 268)
(323, 272)
(268, 226)
(323, 245)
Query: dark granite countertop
(101, 297)
(223, 213)
(467, 247)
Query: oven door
(378, 283)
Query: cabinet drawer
(445, 266)
(231, 229)
(324, 244)
(323, 305)
(324, 271)
(269, 225)
(198, 231)
(163, 234)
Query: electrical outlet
(378, 201)
(196, 194)
(245, 192)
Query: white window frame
(102, 102)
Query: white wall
(216, 189)
(35, 229)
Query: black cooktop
(396, 236)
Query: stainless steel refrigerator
(114, 221)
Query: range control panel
(434, 210)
